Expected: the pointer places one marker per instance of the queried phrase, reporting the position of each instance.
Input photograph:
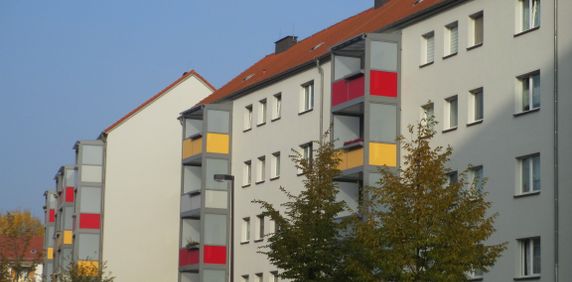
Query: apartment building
(49, 230)
(494, 74)
(122, 182)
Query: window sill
(426, 64)
(258, 240)
(527, 31)
(526, 112)
(247, 130)
(474, 46)
(259, 182)
(526, 194)
(244, 242)
(260, 124)
(275, 119)
(449, 129)
(475, 122)
(274, 178)
(245, 185)
(475, 279)
(450, 55)
(305, 111)
(531, 277)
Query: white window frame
(258, 277)
(307, 97)
(476, 105)
(473, 29)
(273, 276)
(451, 112)
(262, 109)
(247, 119)
(275, 165)
(451, 39)
(477, 177)
(244, 278)
(452, 177)
(260, 169)
(276, 106)
(529, 92)
(247, 173)
(306, 150)
(428, 48)
(528, 165)
(259, 228)
(428, 110)
(474, 275)
(245, 230)
(527, 254)
(527, 10)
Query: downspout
(556, 168)
(321, 71)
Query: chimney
(285, 43)
(379, 3)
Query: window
(530, 174)
(476, 32)
(246, 173)
(259, 232)
(273, 276)
(306, 151)
(244, 278)
(475, 274)
(530, 14)
(245, 230)
(258, 277)
(476, 105)
(476, 174)
(275, 165)
(529, 256)
(451, 112)
(260, 167)
(452, 39)
(529, 88)
(307, 97)
(427, 111)
(261, 112)
(428, 50)
(277, 106)
(248, 117)
(452, 177)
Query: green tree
(17, 229)
(420, 227)
(89, 272)
(307, 245)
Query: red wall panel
(214, 254)
(339, 92)
(69, 194)
(89, 220)
(52, 215)
(188, 257)
(347, 89)
(383, 83)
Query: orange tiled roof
(156, 96)
(33, 253)
(305, 51)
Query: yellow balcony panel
(88, 267)
(382, 154)
(351, 159)
(68, 237)
(192, 147)
(218, 143)
(50, 253)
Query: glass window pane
(525, 14)
(525, 175)
(536, 256)
(525, 94)
(536, 91)
(536, 173)
(535, 13)
(215, 230)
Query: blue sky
(68, 69)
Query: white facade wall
(501, 138)
(283, 135)
(142, 188)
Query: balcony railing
(348, 88)
(192, 147)
(351, 158)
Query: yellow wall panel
(192, 147)
(350, 159)
(218, 143)
(383, 154)
(50, 253)
(68, 237)
(88, 267)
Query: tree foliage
(419, 226)
(17, 229)
(88, 272)
(306, 245)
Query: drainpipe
(321, 71)
(556, 168)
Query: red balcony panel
(383, 83)
(69, 194)
(89, 220)
(356, 87)
(215, 254)
(52, 215)
(339, 92)
(188, 257)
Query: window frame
(276, 106)
(476, 103)
(247, 173)
(259, 228)
(245, 230)
(531, 161)
(307, 96)
(473, 41)
(275, 166)
(247, 118)
(474, 179)
(527, 257)
(448, 50)
(306, 150)
(260, 169)
(424, 110)
(262, 112)
(449, 102)
(528, 79)
(533, 23)
(427, 39)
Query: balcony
(348, 88)
(192, 147)
(351, 157)
(191, 205)
(189, 259)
